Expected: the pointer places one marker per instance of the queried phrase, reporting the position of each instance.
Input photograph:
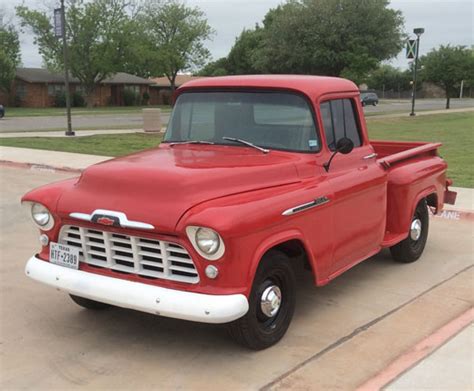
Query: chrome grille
(131, 254)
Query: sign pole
(69, 131)
(418, 32)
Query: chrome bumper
(137, 296)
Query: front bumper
(141, 297)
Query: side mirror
(344, 145)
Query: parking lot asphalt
(341, 335)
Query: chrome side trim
(371, 156)
(300, 208)
(124, 221)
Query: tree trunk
(447, 101)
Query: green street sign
(411, 48)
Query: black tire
(89, 304)
(255, 330)
(410, 250)
(375, 103)
(363, 104)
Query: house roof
(180, 80)
(312, 86)
(40, 75)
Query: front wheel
(410, 249)
(271, 304)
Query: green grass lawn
(59, 111)
(455, 131)
(105, 145)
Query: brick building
(37, 87)
(160, 90)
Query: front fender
(275, 240)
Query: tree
(175, 35)
(447, 67)
(96, 34)
(242, 58)
(9, 54)
(215, 68)
(388, 78)
(330, 37)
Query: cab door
(358, 184)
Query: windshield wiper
(190, 142)
(248, 143)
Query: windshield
(274, 120)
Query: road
(120, 120)
(82, 121)
(389, 106)
(341, 334)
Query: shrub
(78, 100)
(131, 98)
(145, 98)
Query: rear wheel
(88, 303)
(375, 103)
(271, 304)
(410, 249)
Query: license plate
(64, 255)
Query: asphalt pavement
(135, 121)
(341, 336)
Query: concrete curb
(418, 352)
(39, 167)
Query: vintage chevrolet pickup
(256, 176)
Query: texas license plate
(64, 255)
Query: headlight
(206, 241)
(41, 216)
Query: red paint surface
(241, 193)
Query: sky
(445, 22)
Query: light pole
(69, 131)
(418, 31)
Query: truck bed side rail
(389, 160)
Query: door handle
(371, 156)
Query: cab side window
(339, 120)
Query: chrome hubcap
(270, 301)
(415, 229)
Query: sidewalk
(39, 158)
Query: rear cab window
(340, 120)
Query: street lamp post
(69, 131)
(418, 32)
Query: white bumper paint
(141, 297)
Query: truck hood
(159, 185)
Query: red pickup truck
(256, 176)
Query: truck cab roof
(312, 86)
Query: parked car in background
(256, 177)
(369, 98)
(2, 111)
